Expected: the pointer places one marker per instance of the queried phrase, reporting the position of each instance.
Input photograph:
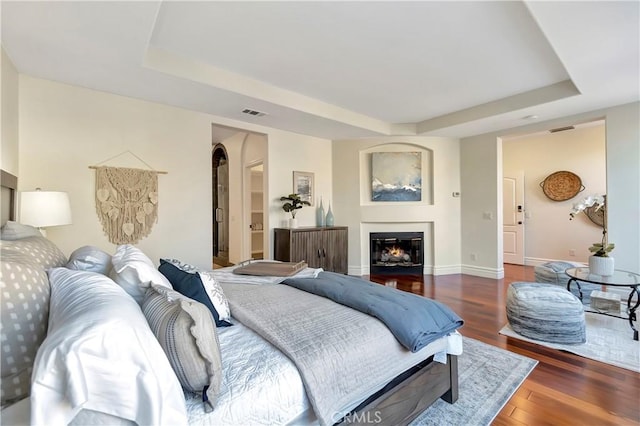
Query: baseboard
(427, 270)
(480, 271)
(447, 270)
(536, 261)
(477, 271)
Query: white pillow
(12, 231)
(211, 287)
(101, 355)
(90, 258)
(135, 272)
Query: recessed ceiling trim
(535, 97)
(175, 65)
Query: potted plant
(292, 204)
(600, 263)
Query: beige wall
(437, 215)
(481, 174)
(549, 235)
(64, 129)
(290, 153)
(9, 113)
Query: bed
(84, 319)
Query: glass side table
(618, 279)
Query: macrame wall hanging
(126, 202)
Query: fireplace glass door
(397, 252)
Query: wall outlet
(487, 215)
(572, 252)
(474, 256)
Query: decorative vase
(329, 221)
(602, 266)
(293, 223)
(320, 215)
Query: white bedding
(261, 386)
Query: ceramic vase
(293, 223)
(602, 266)
(320, 215)
(329, 221)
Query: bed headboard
(8, 191)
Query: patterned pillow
(24, 304)
(211, 287)
(187, 333)
(190, 285)
(42, 250)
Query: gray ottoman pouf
(553, 273)
(545, 312)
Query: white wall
(549, 235)
(9, 112)
(297, 153)
(623, 184)
(481, 174)
(437, 215)
(64, 129)
(480, 162)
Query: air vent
(253, 112)
(561, 129)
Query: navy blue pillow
(191, 286)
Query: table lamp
(43, 209)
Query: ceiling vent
(253, 112)
(561, 129)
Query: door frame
(246, 217)
(214, 202)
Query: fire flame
(396, 251)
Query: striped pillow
(187, 332)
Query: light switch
(487, 215)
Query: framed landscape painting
(303, 186)
(396, 176)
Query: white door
(513, 218)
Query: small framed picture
(303, 186)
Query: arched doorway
(220, 187)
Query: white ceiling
(341, 69)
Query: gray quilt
(415, 321)
(343, 355)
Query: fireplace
(397, 253)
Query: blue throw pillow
(190, 286)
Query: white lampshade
(45, 208)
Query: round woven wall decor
(561, 186)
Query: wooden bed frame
(407, 396)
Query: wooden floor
(563, 389)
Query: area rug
(488, 376)
(609, 340)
